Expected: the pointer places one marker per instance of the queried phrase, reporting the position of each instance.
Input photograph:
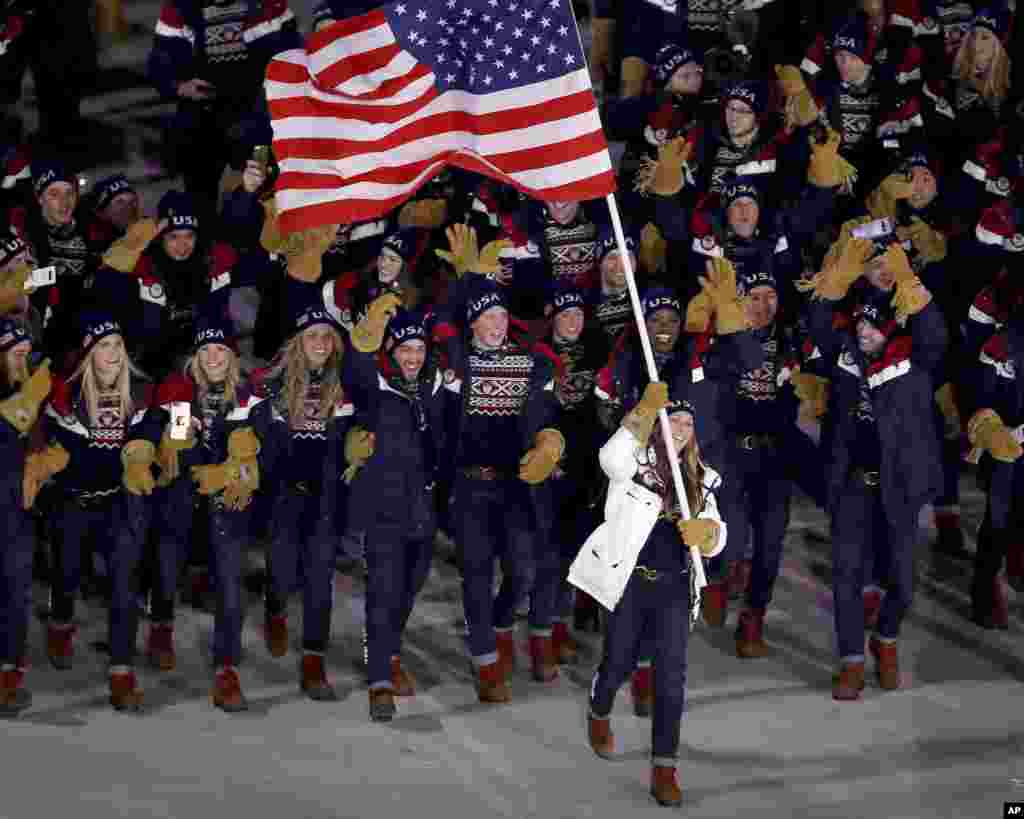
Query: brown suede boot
(749, 634)
(664, 787)
(160, 646)
(566, 650)
(542, 659)
(493, 687)
(125, 693)
(886, 656)
(714, 604)
(227, 691)
(849, 682)
(314, 679)
(401, 680)
(60, 646)
(642, 688)
(602, 740)
(277, 635)
(506, 642)
(382, 705)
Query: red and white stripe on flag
(360, 122)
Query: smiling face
(563, 212)
(687, 80)
(389, 266)
(869, 339)
(58, 203)
(108, 359)
(613, 272)
(743, 216)
(179, 244)
(739, 120)
(923, 188)
(681, 424)
(761, 307)
(317, 344)
(491, 328)
(877, 273)
(410, 356)
(663, 327)
(215, 360)
(568, 325)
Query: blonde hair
(294, 367)
(232, 378)
(86, 373)
(994, 85)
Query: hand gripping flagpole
(700, 579)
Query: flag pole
(652, 373)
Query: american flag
(375, 105)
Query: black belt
(868, 478)
(91, 501)
(487, 473)
(654, 575)
(305, 488)
(752, 442)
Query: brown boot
(60, 646)
(125, 693)
(493, 687)
(160, 646)
(566, 650)
(885, 655)
(749, 634)
(642, 688)
(542, 659)
(714, 604)
(227, 691)
(849, 682)
(506, 641)
(277, 635)
(14, 698)
(402, 681)
(664, 787)
(314, 679)
(602, 740)
(382, 704)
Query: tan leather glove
(602, 37)
(833, 282)
(641, 419)
(368, 334)
(827, 169)
(720, 285)
(12, 287)
(812, 391)
(39, 468)
(270, 236)
(465, 255)
(664, 176)
(911, 296)
(653, 249)
(845, 234)
(167, 455)
(952, 423)
(699, 532)
(22, 409)
(137, 458)
(929, 243)
(699, 312)
(124, 254)
(359, 446)
(244, 471)
(987, 431)
(305, 249)
(882, 201)
(538, 463)
(424, 213)
(800, 108)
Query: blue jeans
(657, 610)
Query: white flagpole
(652, 373)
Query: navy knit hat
(10, 246)
(752, 92)
(12, 333)
(660, 298)
(95, 326)
(109, 187)
(670, 58)
(46, 173)
(677, 404)
(405, 326)
(749, 279)
(737, 188)
(485, 295)
(606, 243)
(565, 298)
(179, 209)
(852, 36)
(401, 242)
(311, 315)
(214, 329)
(996, 20)
(880, 313)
